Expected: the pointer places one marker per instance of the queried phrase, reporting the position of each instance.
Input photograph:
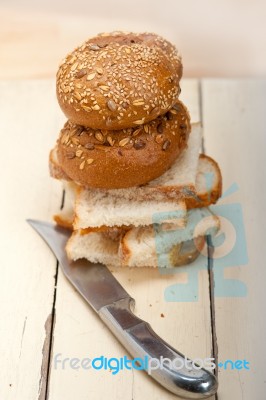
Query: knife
(113, 304)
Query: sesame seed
(86, 108)
(82, 165)
(104, 87)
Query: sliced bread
(208, 191)
(145, 246)
(96, 209)
(154, 245)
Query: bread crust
(123, 158)
(55, 168)
(63, 221)
(119, 80)
(211, 195)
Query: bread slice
(208, 184)
(94, 246)
(97, 209)
(140, 247)
(154, 245)
(208, 191)
(175, 183)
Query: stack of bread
(137, 189)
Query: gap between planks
(210, 250)
(48, 342)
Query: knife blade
(114, 306)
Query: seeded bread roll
(123, 158)
(119, 80)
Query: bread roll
(121, 159)
(119, 80)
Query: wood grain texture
(79, 332)
(234, 128)
(29, 121)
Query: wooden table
(42, 315)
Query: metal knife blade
(114, 306)
(93, 281)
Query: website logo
(229, 249)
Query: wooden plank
(234, 126)
(79, 332)
(29, 121)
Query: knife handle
(138, 337)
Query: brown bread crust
(119, 80)
(125, 158)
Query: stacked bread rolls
(125, 124)
(126, 130)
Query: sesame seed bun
(123, 158)
(119, 80)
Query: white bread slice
(208, 191)
(96, 210)
(94, 246)
(138, 247)
(175, 183)
(208, 183)
(142, 246)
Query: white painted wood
(79, 332)
(234, 126)
(29, 122)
